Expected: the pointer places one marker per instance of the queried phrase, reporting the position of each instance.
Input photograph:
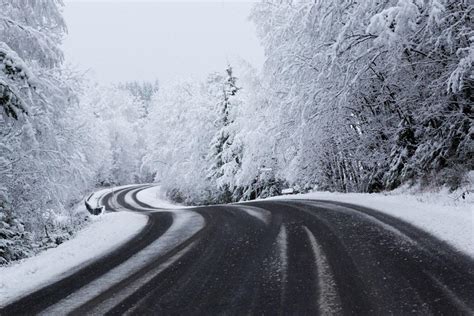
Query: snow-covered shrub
(15, 242)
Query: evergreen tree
(226, 150)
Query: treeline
(353, 97)
(377, 93)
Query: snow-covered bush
(15, 242)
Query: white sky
(147, 40)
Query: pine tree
(225, 150)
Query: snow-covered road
(285, 256)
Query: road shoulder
(106, 233)
(440, 214)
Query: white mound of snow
(155, 197)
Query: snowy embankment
(155, 197)
(445, 215)
(104, 234)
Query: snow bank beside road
(107, 232)
(155, 197)
(437, 213)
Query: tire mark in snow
(328, 298)
(261, 214)
(403, 238)
(113, 201)
(110, 303)
(463, 308)
(282, 240)
(185, 225)
(96, 199)
(131, 200)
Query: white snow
(328, 299)
(282, 241)
(259, 213)
(107, 232)
(442, 214)
(155, 197)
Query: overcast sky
(147, 40)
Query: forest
(354, 96)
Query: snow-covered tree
(42, 164)
(179, 130)
(142, 91)
(226, 149)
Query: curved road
(280, 257)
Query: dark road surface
(279, 257)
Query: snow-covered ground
(106, 233)
(444, 215)
(155, 197)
